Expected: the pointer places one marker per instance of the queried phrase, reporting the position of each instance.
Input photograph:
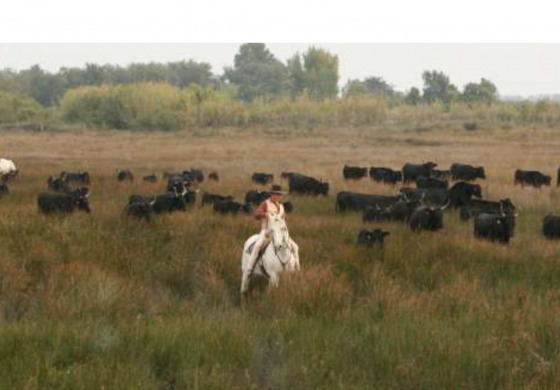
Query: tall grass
(96, 301)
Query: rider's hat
(277, 189)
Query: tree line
(255, 75)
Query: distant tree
(413, 97)
(437, 87)
(378, 86)
(321, 73)
(45, 88)
(483, 92)
(353, 89)
(257, 73)
(296, 75)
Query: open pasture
(92, 301)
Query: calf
(213, 176)
(64, 203)
(262, 178)
(494, 227)
(124, 174)
(466, 172)
(426, 218)
(385, 175)
(354, 173)
(209, 198)
(532, 178)
(231, 207)
(140, 210)
(150, 178)
(370, 238)
(78, 177)
(551, 226)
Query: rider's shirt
(268, 207)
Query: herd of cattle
(421, 207)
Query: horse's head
(278, 231)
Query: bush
(17, 109)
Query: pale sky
(516, 69)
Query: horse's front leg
(273, 279)
(295, 251)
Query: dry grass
(91, 301)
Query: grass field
(96, 301)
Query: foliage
(483, 92)
(17, 109)
(257, 73)
(438, 88)
(147, 106)
(321, 73)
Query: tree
(437, 88)
(354, 89)
(321, 73)
(378, 86)
(296, 75)
(413, 97)
(483, 92)
(257, 73)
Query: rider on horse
(274, 206)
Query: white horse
(281, 254)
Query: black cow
(209, 198)
(231, 207)
(307, 185)
(256, 197)
(354, 173)
(436, 197)
(214, 176)
(461, 193)
(177, 184)
(466, 172)
(477, 206)
(57, 184)
(558, 178)
(426, 218)
(64, 203)
(78, 177)
(532, 178)
(431, 182)
(346, 200)
(193, 175)
(385, 175)
(401, 210)
(4, 190)
(164, 203)
(124, 174)
(413, 171)
(551, 226)
(494, 227)
(150, 178)
(262, 178)
(372, 237)
(140, 210)
(441, 174)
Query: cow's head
(371, 237)
(479, 172)
(80, 199)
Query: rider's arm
(260, 212)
